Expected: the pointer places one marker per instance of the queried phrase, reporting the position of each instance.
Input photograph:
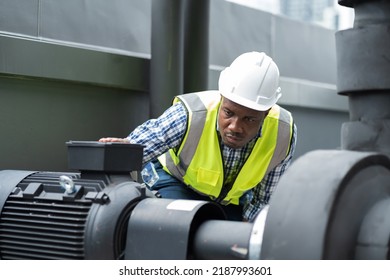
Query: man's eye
(250, 119)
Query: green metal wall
(39, 116)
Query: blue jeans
(169, 187)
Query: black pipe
(222, 240)
(166, 66)
(179, 47)
(196, 45)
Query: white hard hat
(252, 80)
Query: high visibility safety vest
(198, 161)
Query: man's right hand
(114, 139)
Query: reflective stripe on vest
(197, 112)
(198, 162)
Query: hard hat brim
(265, 105)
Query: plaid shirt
(166, 132)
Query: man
(230, 146)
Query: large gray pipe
(363, 57)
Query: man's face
(238, 124)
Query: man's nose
(235, 125)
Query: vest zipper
(225, 190)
